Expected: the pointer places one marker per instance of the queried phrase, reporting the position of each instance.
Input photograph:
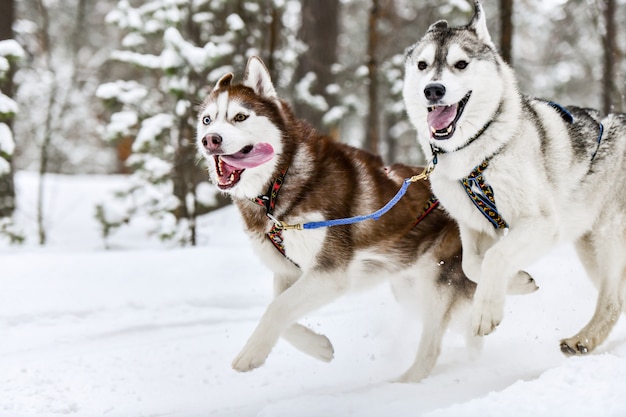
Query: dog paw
(483, 325)
(250, 357)
(412, 376)
(522, 283)
(246, 363)
(572, 347)
(321, 349)
(307, 341)
(485, 317)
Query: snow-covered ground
(146, 330)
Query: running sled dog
(519, 174)
(280, 172)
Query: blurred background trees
(112, 86)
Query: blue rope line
(351, 220)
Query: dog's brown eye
(461, 65)
(240, 117)
(422, 65)
(206, 120)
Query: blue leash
(356, 219)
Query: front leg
(525, 242)
(313, 290)
(474, 247)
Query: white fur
(546, 191)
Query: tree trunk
(372, 135)
(506, 30)
(610, 53)
(319, 31)
(47, 133)
(7, 186)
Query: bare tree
(611, 52)
(319, 32)
(506, 30)
(372, 134)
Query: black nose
(211, 141)
(435, 91)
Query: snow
(7, 105)
(151, 128)
(142, 60)
(235, 23)
(4, 66)
(121, 124)
(10, 47)
(7, 145)
(303, 93)
(127, 92)
(146, 330)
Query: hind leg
(433, 293)
(311, 291)
(301, 337)
(435, 322)
(602, 257)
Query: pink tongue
(260, 154)
(442, 116)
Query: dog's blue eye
(422, 65)
(206, 120)
(240, 117)
(461, 65)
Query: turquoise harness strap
(482, 196)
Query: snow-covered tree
(178, 49)
(10, 51)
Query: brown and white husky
(279, 170)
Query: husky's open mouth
(442, 119)
(230, 167)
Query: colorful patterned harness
(474, 184)
(482, 196)
(268, 201)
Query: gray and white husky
(520, 175)
(277, 170)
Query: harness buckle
(284, 226)
(297, 226)
(430, 167)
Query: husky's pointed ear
(438, 25)
(258, 78)
(479, 23)
(224, 81)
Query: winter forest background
(111, 87)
